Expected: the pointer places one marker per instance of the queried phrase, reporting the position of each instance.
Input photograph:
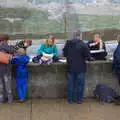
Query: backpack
(104, 93)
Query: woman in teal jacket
(49, 47)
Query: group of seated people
(48, 52)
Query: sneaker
(21, 101)
(79, 102)
(2, 100)
(10, 98)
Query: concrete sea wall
(51, 81)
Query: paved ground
(59, 110)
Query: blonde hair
(101, 41)
(21, 51)
(53, 40)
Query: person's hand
(93, 44)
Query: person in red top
(5, 71)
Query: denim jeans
(118, 76)
(76, 83)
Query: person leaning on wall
(76, 52)
(95, 45)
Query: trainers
(10, 98)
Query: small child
(21, 61)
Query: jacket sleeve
(40, 50)
(87, 52)
(55, 51)
(15, 61)
(89, 42)
(27, 60)
(7, 48)
(104, 47)
(114, 62)
(65, 49)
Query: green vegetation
(37, 22)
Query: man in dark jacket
(76, 52)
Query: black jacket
(97, 56)
(76, 52)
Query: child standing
(21, 61)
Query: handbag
(5, 58)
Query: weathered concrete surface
(59, 109)
(51, 81)
(15, 111)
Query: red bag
(5, 58)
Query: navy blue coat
(116, 59)
(76, 52)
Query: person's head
(97, 37)
(50, 40)
(76, 34)
(28, 42)
(21, 51)
(4, 39)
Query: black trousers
(38, 57)
(99, 56)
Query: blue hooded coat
(21, 75)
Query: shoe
(70, 102)
(2, 100)
(79, 102)
(10, 98)
(21, 101)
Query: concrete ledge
(51, 81)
